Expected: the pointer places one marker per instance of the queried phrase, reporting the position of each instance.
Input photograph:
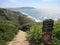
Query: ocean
(42, 14)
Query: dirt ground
(20, 39)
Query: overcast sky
(30, 3)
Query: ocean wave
(38, 20)
(33, 18)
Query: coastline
(33, 18)
(37, 20)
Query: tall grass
(7, 33)
(35, 34)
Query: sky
(30, 3)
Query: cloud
(48, 0)
(16, 1)
(13, 1)
(45, 0)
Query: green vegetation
(35, 34)
(56, 34)
(10, 23)
(7, 32)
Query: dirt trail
(19, 39)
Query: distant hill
(18, 8)
(27, 8)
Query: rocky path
(20, 39)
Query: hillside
(10, 15)
(10, 23)
(14, 17)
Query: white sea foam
(31, 17)
(34, 18)
(38, 20)
(24, 13)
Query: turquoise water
(41, 14)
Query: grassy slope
(13, 16)
(9, 23)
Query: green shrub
(35, 34)
(7, 33)
(56, 34)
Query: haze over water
(41, 14)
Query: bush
(7, 32)
(35, 34)
(56, 34)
